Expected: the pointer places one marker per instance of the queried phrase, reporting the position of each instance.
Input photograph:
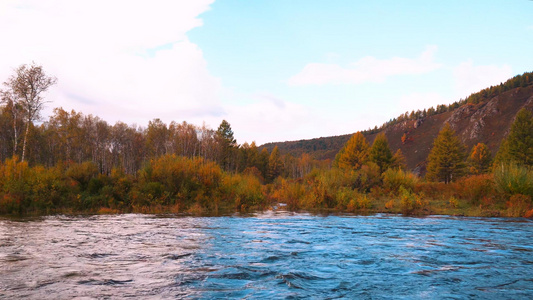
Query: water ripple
(265, 256)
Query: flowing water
(273, 255)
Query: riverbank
(375, 206)
(174, 184)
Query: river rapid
(271, 255)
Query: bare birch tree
(26, 87)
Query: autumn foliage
(354, 154)
(168, 181)
(480, 159)
(75, 163)
(446, 159)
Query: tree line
(67, 137)
(81, 162)
(73, 162)
(72, 137)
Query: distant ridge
(483, 117)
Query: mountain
(484, 117)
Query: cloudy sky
(276, 70)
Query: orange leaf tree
(354, 153)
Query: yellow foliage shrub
(454, 202)
(390, 204)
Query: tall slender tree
(518, 146)
(26, 88)
(228, 145)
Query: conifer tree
(380, 152)
(225, 132)
(446, 159)
(518, 146)
(227, 144)
(354, 153)
(480, 159)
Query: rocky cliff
(487, 122)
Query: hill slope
(487, 122)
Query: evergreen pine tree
(227, 144)
(380, 152)
(518, 146)
(446, 159)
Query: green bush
(172, 179)
(346, 197)
(82, 173)
(513, 179)
(393, 179)
(48, 189)
(410, 203)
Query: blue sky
(276, 70)
(256, 47)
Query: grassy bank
(174, 184)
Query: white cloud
(291, 121)
(268, 114)
(471, 79)
(121, 60)
(367, 69)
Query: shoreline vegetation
(173, 184)
(73, 163)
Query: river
(271, 255)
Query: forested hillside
(485, 116)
